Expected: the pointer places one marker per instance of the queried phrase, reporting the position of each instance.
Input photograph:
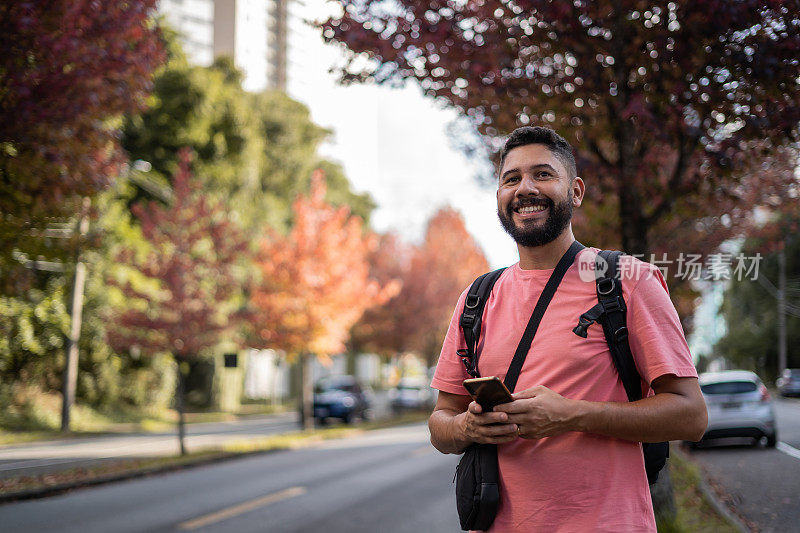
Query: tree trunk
(306, 399)
(179, 403)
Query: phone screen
(488, 391)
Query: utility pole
(781, 308)
(76, 314)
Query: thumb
(475, 408)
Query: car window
(729, 387)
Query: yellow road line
(241, 508)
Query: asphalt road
(762, 485)
(389, 480)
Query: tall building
(253, 32)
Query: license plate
(731, 405)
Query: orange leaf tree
(315, 281)
(433, 276)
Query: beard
(534, 233)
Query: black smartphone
(488, 391)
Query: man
(568, 445)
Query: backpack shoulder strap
(472, 315)
(613, 320)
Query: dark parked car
(739, 405)
(789, 382)
(341, 397)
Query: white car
(739, 405)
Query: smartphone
(488, 391)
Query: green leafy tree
(750, 307)
(256, 150)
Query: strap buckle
(468, 361)
(582, 328)
(612, 305)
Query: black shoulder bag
(610, 313)
(477, 473)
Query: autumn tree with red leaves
(187, 302)
(673, 107)
(433, 275)
(381, 329)
(68, 70)
(315, 283)
(446, 263)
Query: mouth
(530, 208)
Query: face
(535, 195)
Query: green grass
(39, 418)
(695, 513)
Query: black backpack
(610, 312)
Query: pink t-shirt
(575, 482)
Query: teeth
(531, 209)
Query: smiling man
(569, 449)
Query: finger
(498, 430)
(515, 407)
(530, 393)
(475, 408)
(490, 418)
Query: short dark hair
(539, 135)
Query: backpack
(610, 312)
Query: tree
(432, 277)
(315, 283)
(750, 306)
(68, 71)
(186, 303)
(444, 266)
(672, 106)
(255, 149)
(382, 328)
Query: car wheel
(347, 418)
(772, 440)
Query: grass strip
(696, 514)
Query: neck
(546, 256)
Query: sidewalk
(42, 457)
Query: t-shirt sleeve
(450, 371)
(656, 337)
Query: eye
(543, 174)
(512, 179)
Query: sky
(393, 144)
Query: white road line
(788, 450)
(242, 508)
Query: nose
(527, 186)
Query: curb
(43, 492)
(721, 508)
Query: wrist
(581, 418)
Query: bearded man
(568, 445)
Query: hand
(540, 412)
(487, 428)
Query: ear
(578, 190)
